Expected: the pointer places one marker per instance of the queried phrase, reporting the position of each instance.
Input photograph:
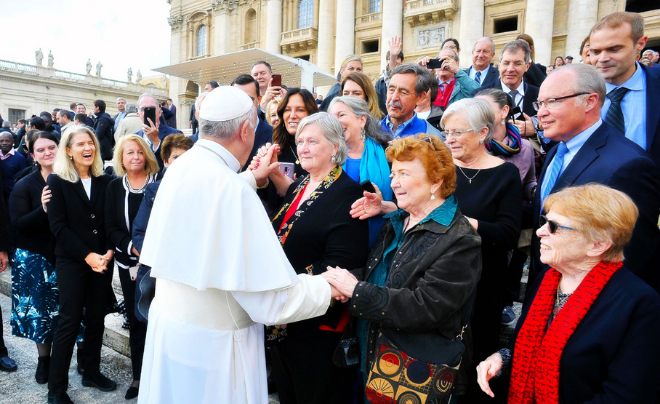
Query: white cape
(208, 228)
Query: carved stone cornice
(175, 21)
(224, 5)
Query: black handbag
(145, 290)
(416, 367)
(347, 353)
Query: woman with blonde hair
(358, 85)
(83, 258)
(271, 111)
(589, 328)
(136, 167)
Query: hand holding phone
(287, 169)
(276, 80)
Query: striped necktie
(554, 172)
(614, 116)
(477, 78)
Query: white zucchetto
(224, 104)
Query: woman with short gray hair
(366, 151)
(489, 193)
(316, 231)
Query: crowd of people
(366, 247)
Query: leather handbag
(416, 368)
(347, 352)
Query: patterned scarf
(535, 374)
(302, 208)
(503, 149)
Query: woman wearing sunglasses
(589, 329)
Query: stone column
(221, 30)
(472, 27)
(274, 26)
(392, 19)
(345, 41)
(326, 42)
(539, 25)
(582, 16)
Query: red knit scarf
(535, 374)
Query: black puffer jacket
(432, 276)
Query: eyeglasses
(551, 103)
(516, 64)
(552, 225)
(430, 141)
(455, 133)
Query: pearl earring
(333, 159)
(481, 141)
(432, 197)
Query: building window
(641, 6)
(370, 46)
(507, 24)
(305, 13)
(15, 115)
(374, 6)
(250, 26)
(201, 41)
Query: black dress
(121, 238)
(325, 235)
(494, 198)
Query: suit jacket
(78, 221)
(613, 353)
(535, 74)
(163, 131)
(172, 121)
(610, 159)
(492, 75)
(652, 116)
(531, 95)
(263, 135)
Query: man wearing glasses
(589, 150)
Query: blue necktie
(554, 171)
(477, 78)
(614, 116)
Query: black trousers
(80, 288)
(138, 333)
(304, 373)
(3, 348)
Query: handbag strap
(465, 318)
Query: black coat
(115, 221)
(104, 127)
(31, 226)
(613, 355)
(78, 222)
(326, 235)
(535, 74)
(5, 241)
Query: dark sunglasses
(552, 225)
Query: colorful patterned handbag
(397, 377)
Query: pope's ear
(245, 130)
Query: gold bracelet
(265, 185)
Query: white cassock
(221, 274)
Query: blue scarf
(374, 167)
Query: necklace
(294, 155)
(469, 178)
(134, 190)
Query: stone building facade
(27, 90)
(325, 31)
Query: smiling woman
(76, 213)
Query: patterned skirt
(35, 298)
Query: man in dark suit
(263, 133)
(589, 150)
(153, 132)
(515, 59)
(633, 90)
(481, 70)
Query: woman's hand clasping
(45, 198)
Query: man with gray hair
(121, 107)
(153, 132)
(130, 124)
(404, 92)
(220, 270)
(481, 70)
(588, 150)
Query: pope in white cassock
(220, 270)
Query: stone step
(114, 336)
